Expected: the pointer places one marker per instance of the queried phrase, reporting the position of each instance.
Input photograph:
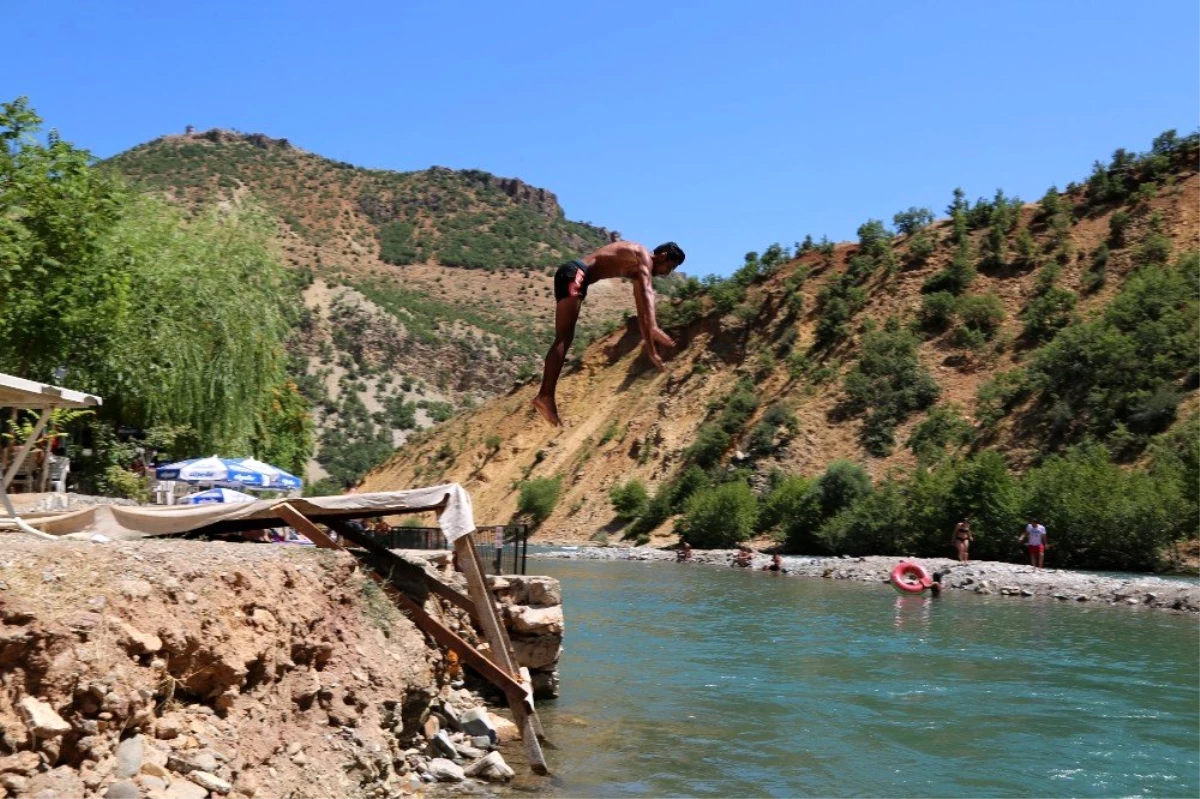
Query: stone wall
(531, 607)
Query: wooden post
(497, 638)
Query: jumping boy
(619, 259)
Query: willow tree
(202, 344)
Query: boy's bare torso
(619, 259)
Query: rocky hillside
(937, 338)
(424, 292)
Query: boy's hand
(662, 338)
(656, 359)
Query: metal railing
(503, 549)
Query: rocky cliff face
(186, 669)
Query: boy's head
(667, 257)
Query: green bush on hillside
(888, 384)
(630, 500)
(538, 497)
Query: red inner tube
(910, 578)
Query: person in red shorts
(1036, 541)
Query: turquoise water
(695, 681)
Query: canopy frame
(17, 392)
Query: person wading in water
(962, 539)
(619, 259)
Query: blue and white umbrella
(276, 477)
(213, 495)
(212, 470)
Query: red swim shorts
(1036, 548)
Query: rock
(1082, 598)
(294, 748)
(1026, 592)
(545, 684)
(152, 785)
(184, 789)
(481, 741)
(135, 589)
(63, 781)
(299, 758)
(505, 730)
(539, 621)
(14, 783)
(125, 789)
(20, 763)
(451, 714)
(205, 761)
(444, 770)
(246, 783)
(469, 752)
(537, 652)
(490, 767)
(130, 754)
(210, 782)
(167, 728)
(476, 721)
(154, 770)
(441, 744)
(431, 727)
(41, 718)
(138, 642)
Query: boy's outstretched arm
(644, 299)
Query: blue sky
(723, 129)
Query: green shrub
(889, 383)
(1048, 313)
(938, 310)
(839, 487)
(538, 497)
(955, 278)
(119, 482)
(784, 503)
(982, 312)
(630, 500)
(719, 517)
(943, 427)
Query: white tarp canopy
(452, 502)
(17, 392)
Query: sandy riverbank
(981, 577)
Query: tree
(912, 220)
(720, 517)
(629, 500)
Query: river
(701, 681)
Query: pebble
(210, 782)
(444, 770)
(125, 789)
(130, 754)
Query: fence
(502, 548)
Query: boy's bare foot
(546, 408)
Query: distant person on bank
(1035, 540)
(619, 259)
(962, 539)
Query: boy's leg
(566, 315)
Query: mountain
(423, 292)
(939, 342)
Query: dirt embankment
(186, 669)
(980, 577)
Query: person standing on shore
(1036, 541)
(962, 539)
